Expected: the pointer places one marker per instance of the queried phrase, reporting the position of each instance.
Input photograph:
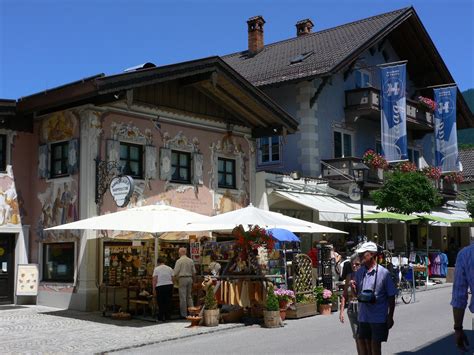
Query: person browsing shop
(376, 298)
(184, 272)
(313, 254)
(163, 288)
(463, 279)
(349, 299)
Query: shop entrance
(7, 269)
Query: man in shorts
(376, 315)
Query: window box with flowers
(434, 174)
(304, 306)
(427, 103)
(376, 163)
(450, 182)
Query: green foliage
(272, 300)
(470, 205)
(324, 296)
(407, 192)
(210, 301)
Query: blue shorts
(373, 331)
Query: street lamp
(360, 171)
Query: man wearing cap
(377, 307)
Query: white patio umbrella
(151, 219)
(251, 216)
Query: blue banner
(393, 113)
(446, 154)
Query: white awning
(331, 209)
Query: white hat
(367, 246)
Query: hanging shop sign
(27, 280)
(121, 188)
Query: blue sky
(47, 43)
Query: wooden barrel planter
(271, 319)
(211, 317)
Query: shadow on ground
(7, 308)
(444, 345)
(97, 317)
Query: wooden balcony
(339, 171)
(365, 103)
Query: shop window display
(58, 262)
(126, 262)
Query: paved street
(422, 328)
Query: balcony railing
(365, 103)
(341, 170)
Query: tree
(470, 205)
(407, 192)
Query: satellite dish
(354, 192)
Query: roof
(335, 49)
(250, 105)
(466, 156)
(329, 47)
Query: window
(180, 167)
(342, 144)
(58, 262)
(59, 159)
(269, 151)
(226, 171)
(362, 79)
(414, 156)
(3, 152)
(131, 159)
(378, 147)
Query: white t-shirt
(164, 274)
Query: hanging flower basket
(432, 172)
(374, 160)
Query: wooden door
(7, 269)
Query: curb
(217, 330)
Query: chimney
(255, 28)
(304, 27)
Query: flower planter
(325, 309)
(271, 319)
(301, 310)
(375, 174)
(283, 313)
(211, 317)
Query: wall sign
(121, 188)
(27, 280)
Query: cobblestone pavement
(37, 329)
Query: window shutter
(113, 150)
(150, 162)
(73, 156)
(197, 169)
(165, 164)
(43, 161)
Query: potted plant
(376, 163)
(285, 298)
(325, 299)
(211, 311)
(271, 313)
(304, 306)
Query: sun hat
(367, 246)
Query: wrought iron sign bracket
(105, 171)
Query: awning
(331, 209)
(334, 209)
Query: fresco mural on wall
(59, 126)
(9, 205)
(59, 205)
(229, 200)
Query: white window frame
(270, 161)
(342, 132)
(413, 149)
(363, 73)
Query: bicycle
(404, 287)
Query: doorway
(7, 268)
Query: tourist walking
(376, 297)
(463, 279)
